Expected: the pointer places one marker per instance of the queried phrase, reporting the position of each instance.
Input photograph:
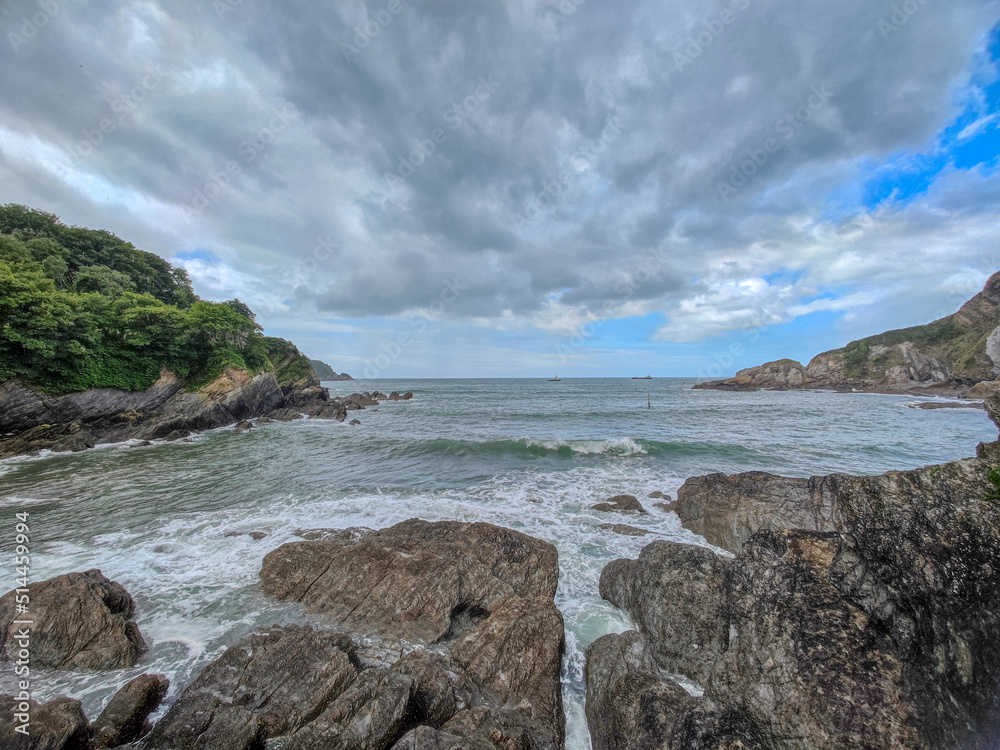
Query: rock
(416, 580)
(660, 496)
(501, 728)
(124, 718)
(426, 738)
(676, 595)
(775, 376)
(434, 695)
(621, 504)
(728, 510)
(143, 444)
(407, 396)
(516, 655)
(666, 507)
(57, 725)
(985, 389)
(257, 535)
(930, 405)
(802, 660)
(704, 725)
(628, 704)
(176, 435)
(623, 529)
(245, 426)
(355, 422)
(281, 678)
(372, 713)
(81, 621)
(284, 415)
(81, 441)
(207, 724)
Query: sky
(435, 188)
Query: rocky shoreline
(956, 356)
(838, 612)
(31, 422)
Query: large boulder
(123, 720)
(629, 705)
(416, 580)
(79, 621)
(676, 595)
(282, 678)
(57, 725)
(729, 509)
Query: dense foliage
(81, 308)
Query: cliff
(325, 372)
(958, 354)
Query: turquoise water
(527, 454)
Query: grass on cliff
(81, 308)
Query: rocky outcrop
(30, 421)
(79, 621)
(417, 580)
(57, 725)
(874, 626)
(951, 355)
(471, 606)
(729, 509)
(123, 720)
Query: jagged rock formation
(325, 372)
(124, 719)
(951, 355)
(57, 725)
(79, 621)
(464, 648)
(874, 624)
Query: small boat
(648, 377)
(555, 379)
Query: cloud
(251, 132)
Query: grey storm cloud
(431, 142)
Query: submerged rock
(80, 621)
(621, 504)
(623, 528)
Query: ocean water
(170, 522)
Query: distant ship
(555, 379)
(648, 377)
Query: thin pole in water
(649, 404)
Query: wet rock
(623, 529)
(628, 704)
(285, 415)
(728, 510)
(81, 621)
(516, 655)
(416, 580)
(123, 720)
(407, 396)
(245, 426)
(372, 713)
(666, 507)
(426, 738)
(621, 504)
(355, 422)
(57, 725)
(207, 724)
(176, 435)
(676, 595)
(704, 725)
(282, 678)
(659, 496)
(434, 695)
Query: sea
(172, 521)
